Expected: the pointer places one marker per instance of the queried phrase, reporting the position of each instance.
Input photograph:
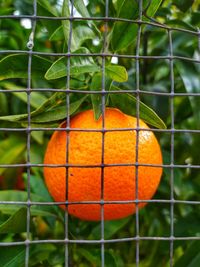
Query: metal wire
(67, 136)
(137, 73)
(172, 150)
(30, 46)
(138, 92)
(103, 134)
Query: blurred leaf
(191, 256)
(16, 223)
(24, 7)
(44, 8)
(195, 18)
(11, 150)
(110, 228)
(96, 85)
(181, 24)
(116, 73)
(40, 253)
(183, 113)
(48, 7)
(12, 195)
(6, 10)
(3, 104)
(124, 33)
(16, 66)
(127, 104)
(152, 6)
(38, 136)
(183, 223)
(94, 257)
(191, 81)
(14, 118)
(39, 188)
(13, 256)
(183, 5)
(117, 4)
(57, 35)
(127, 37)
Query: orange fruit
(85, 148)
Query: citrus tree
(64, 74)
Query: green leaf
(127, 104)
(83, 32)
(117, 4)
(50, 111)
(59, 69)
(36, 98)
(39, 125)
(181, 24)
(195, 18)
(153, 7)
(191, 256)
(11, 150)
(110, 228)
(40, 253)
(39, 188)
(16, 66)
(14, 118)
(13, 256)
(78, 65)
(48, 7)
(117, 73)
(190, 77)
(44, 8)
(16, 223)
(38, 136)
(66, 26)
(94, 257)
(57, 35)
(14, 195)
(57, 99)
(124, 33)
(96, 85)
(183, 5)
(81, 8)
(3, 104)
(58, 113)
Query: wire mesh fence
(23, 66)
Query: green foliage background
(48, 109)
